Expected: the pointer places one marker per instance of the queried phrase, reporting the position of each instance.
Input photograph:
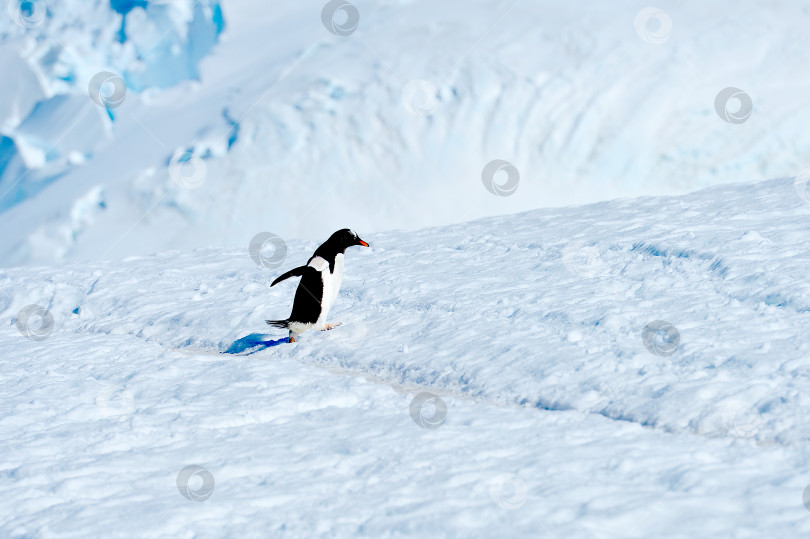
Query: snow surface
(390, 126)
(529, 328)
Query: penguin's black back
(308, 296)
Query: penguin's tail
(282, 324)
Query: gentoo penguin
(319, 285)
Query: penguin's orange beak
(364, 244)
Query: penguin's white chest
(331, 286)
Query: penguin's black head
(345, 238)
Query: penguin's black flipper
(295, 272)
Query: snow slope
(590, 101)
(560, 421)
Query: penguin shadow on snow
(253, 343)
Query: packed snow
(496, 378)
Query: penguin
(319, 285)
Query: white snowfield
(559, 421)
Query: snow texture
(527, 330)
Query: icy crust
(45, 109)
(530, 328)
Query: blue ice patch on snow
(235, 127)
(176, 56)
(7, 151)
(254, 342)
(125, 6)
(16, 180)
(717, 264)
(218, 19)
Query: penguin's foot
(292, 339)
(332, 326)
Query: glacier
(49, 126)
(392, 124)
